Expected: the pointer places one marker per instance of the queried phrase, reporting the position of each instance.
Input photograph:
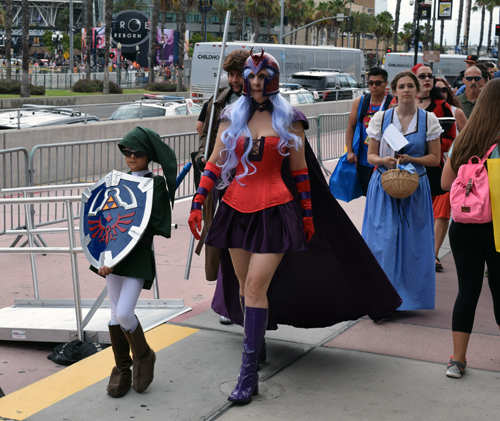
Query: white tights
(123, 293)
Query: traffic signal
(497, 30)
(389, 50)
(111, 55)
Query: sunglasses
(423, 77)
(129, 152)
(443, 90)
(471, 78)
(375, 82)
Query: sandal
(439, 266)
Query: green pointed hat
(147, 141)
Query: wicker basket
(398, 183)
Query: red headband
(416, 67)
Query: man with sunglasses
(356, 137)
(472, 80)
(470, 61)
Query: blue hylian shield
(115, 213)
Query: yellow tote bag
(494, 182)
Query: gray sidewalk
(356, 370)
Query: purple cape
(336, 279)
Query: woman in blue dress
(400, 232)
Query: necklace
(422, 99)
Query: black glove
(200, 163)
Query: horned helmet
(257, 62)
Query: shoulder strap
(365, 104)
(490, 150)
(388, 101)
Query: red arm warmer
(301, 178)
(210, 176)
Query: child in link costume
(136, 272)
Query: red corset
(265, 187)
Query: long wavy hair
(482, 128)
(238, 114)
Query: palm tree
(406, 35)
(460, 17)
(88, 34)
(121, 5)
(108, 14)
(272, 17)
(383, 27)
(220, 8)
(425, 44)
(182, 36)
(152, 41)
(468, 8)
(491, 6)
(25, 77)
(294, 12)
(320, 13)
(334, 8)
(480, 4)
(441, 37)
(8, 35)
(239, 19)
(307, 15)
(396, 24)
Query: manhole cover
(267, 390)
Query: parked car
(296, 95)
(40, 116)
(331, 84)
(146, 108)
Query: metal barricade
(88, 162)
(331, 135)
(312, 134)
(14, 172)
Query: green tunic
(140, 262)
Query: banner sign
(444, 9)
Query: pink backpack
(470, 192)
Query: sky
(450, 26)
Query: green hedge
(163, 87)
(14, 88)
(89, 86)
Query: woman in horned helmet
(272, 261)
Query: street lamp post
(119, 48)
(137, 48)
(205, 7)
(57, 37)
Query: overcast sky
(450, 26)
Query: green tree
(88, 34)
(308, 16)
(320, 13)
(293, 9)
(460, 17)
(62, 20)
(363, 24)
(220, 8)
(406, 35)
(152, 40)
(383, 26)
(334, 8)
(121, 5)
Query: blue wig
(238, 114)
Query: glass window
(343, 82)
(134, 111)
(301, 99)
(352, 82)
(195, 109)
(182, 110)
(331, 83)
(309, 97)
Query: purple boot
(255, 329)
(263, 350)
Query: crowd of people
(278, 244)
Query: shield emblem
(115, 213)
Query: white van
(449, 66)
(291, 58)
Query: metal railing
(55, 79)
(89, 161)
(72, 163)
(14, 172)
(331, 135)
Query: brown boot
(144, 359)
(121, 376)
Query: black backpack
(366, 104)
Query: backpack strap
(364, 107)
(490, 150)
(388, 101)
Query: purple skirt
(273, 230)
